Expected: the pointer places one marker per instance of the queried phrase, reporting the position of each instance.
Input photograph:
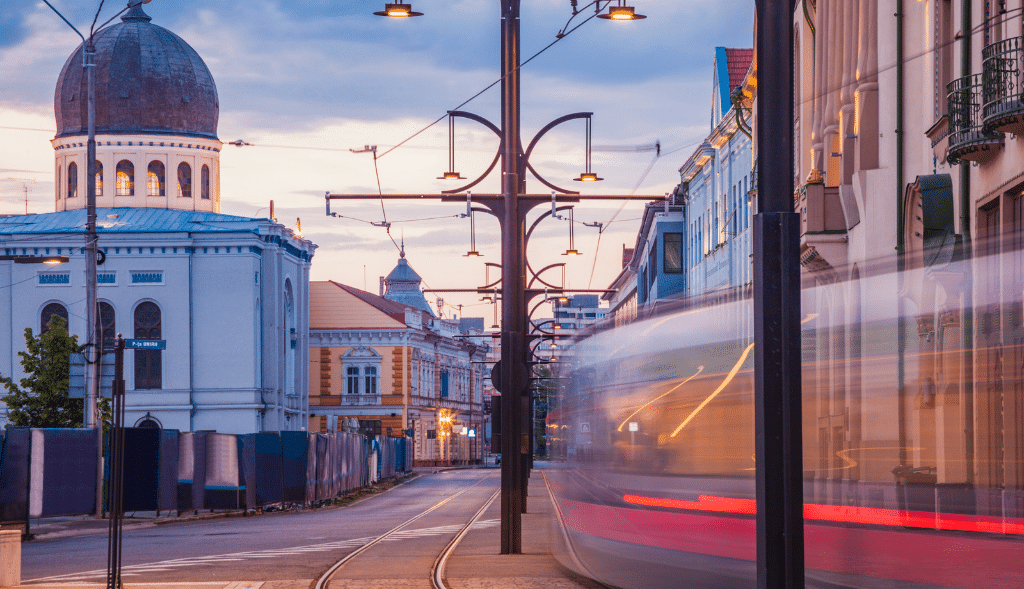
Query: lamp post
(510, 208)
(92, 337)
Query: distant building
(389, 363)
(228, 295)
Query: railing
(968, 139)
(1003, 107)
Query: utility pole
(513, 284)
(777, 369)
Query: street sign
(76, 375)
(144, 344)
(634, 426)
(472, 433)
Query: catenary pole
(513, 285)
(777, 402)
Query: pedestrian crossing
(166, 566)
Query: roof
(738, 61)
(336, 306)
(130, 220)
(147, 81)
(731, 66)
(403, 272)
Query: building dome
(147, 80)
(403, 286)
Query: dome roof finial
(135, 12)
(402, 250)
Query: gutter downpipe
(965, 230)
(191, 341)
(900, 262)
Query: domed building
(229, 295)
(156, 113)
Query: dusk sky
(305, 81)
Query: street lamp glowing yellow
(397, 10)
(621, 12)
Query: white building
(229, 295)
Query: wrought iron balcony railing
(968, 139)
(1003, 86)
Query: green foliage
(41, 398)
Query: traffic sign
(144, 344)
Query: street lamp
(621, 12)
(396, 10)
(92, 337)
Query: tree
(41, 398)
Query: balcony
(968, 139)
(1003, 91)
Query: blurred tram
(655, 431)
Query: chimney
(381, 286)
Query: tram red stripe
(847, 514)
(908, 555)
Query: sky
(307, 81)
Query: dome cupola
(147, 79)
(156, 113)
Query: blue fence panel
(141, 469)
(261, 468)
(168, 491)
(63, 479)
(295, 454)
(14, 473)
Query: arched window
(72, 180)
(147, 362)
(156, 178)
(107, 325)
(49, 312)
(125, 178)
(184, 180)
(99, 178)
(204, 179)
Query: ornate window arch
(99, 178)
(156, 179)
(204, 182)
(362, 369)
(107, 325)
(48, 312)
(125, 179)
(148, 373)
(184, 180)
(72, 180)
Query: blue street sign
(144, 344)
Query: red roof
(738, 62)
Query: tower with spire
(402, 285)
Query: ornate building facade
(229, 295)
(386, 361)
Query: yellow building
(386, 361)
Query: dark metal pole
(115, 491)
(778, 441)
(513, 285)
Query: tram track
(436, 572)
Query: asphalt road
(281, 545)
